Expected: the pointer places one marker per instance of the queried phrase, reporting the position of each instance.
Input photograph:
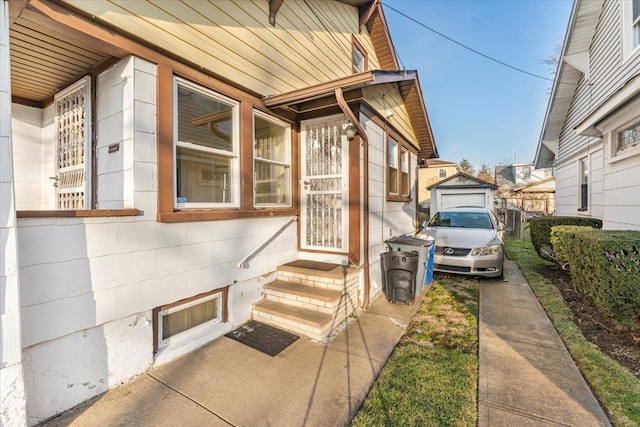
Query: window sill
(624, 154)
(213, 215)
(85, 213)
(394, 198)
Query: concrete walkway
(527, 377)
(229, 384)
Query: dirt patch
(617, 342)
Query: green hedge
(605, 268)
(541, 231)
(561, 238)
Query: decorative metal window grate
(629, 137)
(71, 146)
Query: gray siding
(609, 72)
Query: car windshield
(461, 219)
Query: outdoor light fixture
(350, 130)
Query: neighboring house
(162, 162)
(591, 131)
(431, 171)
(461, 189)
(522, 187)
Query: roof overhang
(322, 96)
(628, 92)
(573, 66)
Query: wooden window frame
(401, 145)
(356, 46)
(232, 155)
(167, 212)
(223, 315)
(285, 162)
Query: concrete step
(311, 323)
(300, 295)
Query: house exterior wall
(296, 53)
(12, 395)
(89, 284)
(613, 184)
(609, 71)
(386, 219)
(388, 102)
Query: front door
(324, 179)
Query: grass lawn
(431, 377)
(617, 389)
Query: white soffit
(580, 31)
(552, 145)
(579, 61)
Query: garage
(462, 199)
(461, 190)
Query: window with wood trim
(392, 167)
(359, 57)
(207, 171)
(206, 145)
(398, 170)
(189, 320)
(272, 161)
(405, 185)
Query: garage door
(468, 199)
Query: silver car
(468, 241)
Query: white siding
(89, 284)
(622, 195)
(386, 219)
(567, 189)
(12, 394)
(609, 72)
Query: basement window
(189, 320)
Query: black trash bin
(400, 270)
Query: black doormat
(264, 338)
(313, 265)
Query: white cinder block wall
(386, 219)
(12, 396)
(89, 284)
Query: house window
(526, 172)
(392, 167)
(72, 179)
(628, 137)
(359, 57)
(631, 25)
(206, 148)
(190, 319)
(272, 161)
(442, 173)
(404, 171)
(583, 174)
(398, 170)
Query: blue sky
(478, 109)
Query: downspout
(365, 141)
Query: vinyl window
(583, 175)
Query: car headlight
(487, 250)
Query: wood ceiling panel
(45, 57)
